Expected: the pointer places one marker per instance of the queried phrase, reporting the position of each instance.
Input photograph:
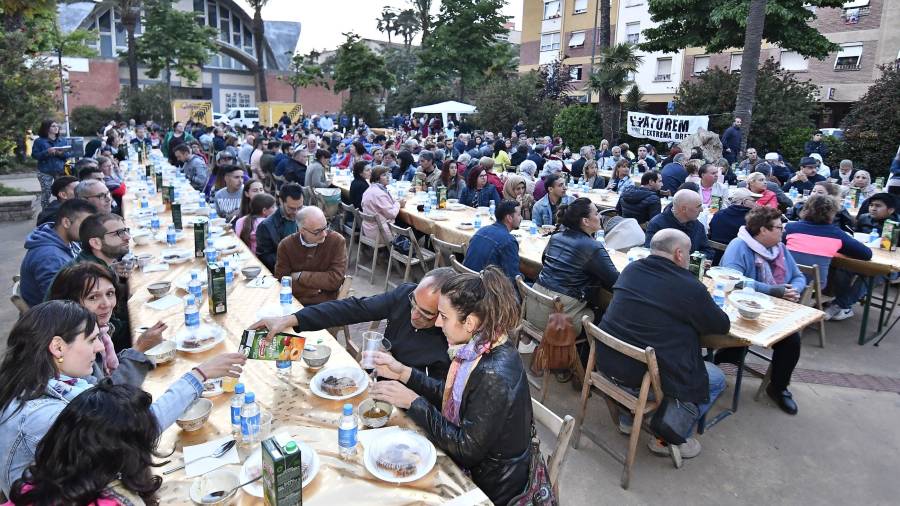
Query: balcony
(662, 78)
(844, 67)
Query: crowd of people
(72, 356)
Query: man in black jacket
(280, 225)
(686, 207)
(410, 310)
(641, 313)
(642, 202)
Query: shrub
(578, 125)
(149, 103)
(871, 129)
(88, 118)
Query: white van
(242, 116)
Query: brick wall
(529, 52)
(829, 20)
(99, 86)
(315, 100)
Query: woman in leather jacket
(483, 418)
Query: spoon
(222, 450)
(218, 494)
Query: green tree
(407, 26)
(422, 11)
(73, 43)
(634, 100)
(463, 43)
(557, 82)
(502, 102)
(259, 37)
(721, 24)
(871, 129)
(610, 79)
(387, 23)
(578, 125)
(130, 12)
(148, 103)
(172, 40)
(360, 71)
(782, 103)
(305, 71)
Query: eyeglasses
(417, 307)
(123, 233)
(779, 227)
(104, 196)
(318, 231)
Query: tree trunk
(606, 105)
(605, 29)
(294, 90)
(129, 19)
(259, 35)
(743, 107)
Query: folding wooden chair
(416, 256)
(527, 328)
(562, 429)
(343, 293)
(618, 397)
(444, 250)
(812, 296)
(459, 267)
(350, 230)
(375, 244)
(15, 295)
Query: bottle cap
(291, 447)
(249, 397)
(239, 388)
(348, 409)
(720, 286)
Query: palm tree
(259, 34)
(423, 13)
(387, 23)
(743, 107)
(406, 25)
(610, 79)
(130, 11)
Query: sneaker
(842, 314)
(689, 449)
(831, 310)
(625, 428)
(526, 349)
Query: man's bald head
(310, 215)
(686, 205)
(424, 303)
(672, 244)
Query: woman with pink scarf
(481, 414)
(759, 254)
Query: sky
(322, 22)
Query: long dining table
(785, 319)
(295, 410)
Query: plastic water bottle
(794, 193)
(718, 295)
(144, 203)
(492, 208)
(749, 285)
(237, 402)
(347, 432)
(283, 368)
(532, 229)
(201, 202)
(191, 312)
(229, 275)
(874, 238)
(286, 296)
(212, 214)
(211, 254)
(154, 222)
(195, 287)
(477, 221)
(170, 235)
(250, 419)
(601, 237)
(151, 189)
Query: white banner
(667, 128)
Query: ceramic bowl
(316, 356)
(220, 479)
(251, 272)
(162, 353)
(142, 237)
(375, 423)
(750, 305)
(728, 277)
(144, 259)
(159, 288)
(195, 416)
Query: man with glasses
(279, 225)
(682, 215)
(315, 258)
(96, 193)
(410, 310)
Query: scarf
(769, 262)
(110, 360)
(68, 387)
(463, 361)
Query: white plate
(225, 245)
(216, 391)
(465, 227)
(410, 438)
(357, 374)
(456, 207)
(256, 488)
(183, 255)
(217, 332)
(438, 216)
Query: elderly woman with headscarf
(550, 167)
(515, 188)
(862, 181)
(821, 169)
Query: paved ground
(842, 448)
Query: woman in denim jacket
(50, 358)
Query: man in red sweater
(315, 258)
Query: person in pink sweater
(378, 201)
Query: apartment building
(863, 30)
(562, 30)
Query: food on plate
(333, 385)
(192, 342)
(400, 460)
(752, 303)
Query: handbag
(674, 419)
(557, 347)
(539, 491)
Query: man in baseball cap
(805, 178)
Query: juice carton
(285, 346)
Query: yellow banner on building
(270, 112)
(200, 111)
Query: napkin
(156, 267)
(203, 466)
(262, 282)
(164, 303)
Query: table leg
(865, 316)
(702, 425)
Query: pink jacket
(379, 202)
(239, 225)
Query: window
(736, 59)
(633, 32)
(701, 64)
(791, 60)
(225, 28)
(551, 9)
(550, 41)
(580, 6)
(575, 72)
(248, 40)
(663, 69)
(213, 17)
(121, 36)
(856, 4)
(576, 39)
(631, 76)
(848, 57)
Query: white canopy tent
(445, 108)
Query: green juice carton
(201, 228)
(176, 215)
(216, 288)
(282, 473)
(890, 235)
